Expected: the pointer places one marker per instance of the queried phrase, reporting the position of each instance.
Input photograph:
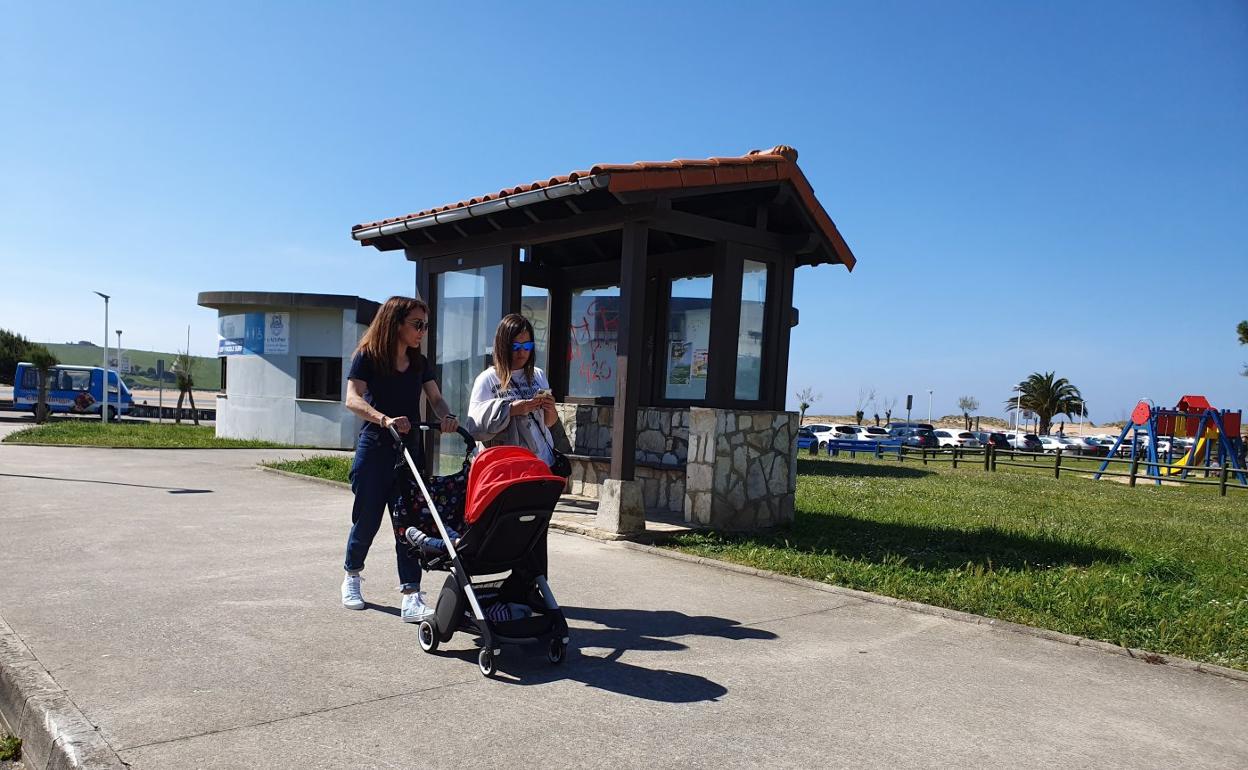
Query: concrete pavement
(187, 605)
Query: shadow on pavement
(170, 490)
(623, 631)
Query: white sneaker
(352, 599)
(414, 608)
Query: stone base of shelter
(718, 468)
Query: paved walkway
(188, 605)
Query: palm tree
(182, 370)
(1047, 396)
(43, 361)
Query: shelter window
(593, 334)
(535, 306)
(750, 336)
(688, 337)
(320, 378)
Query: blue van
(71, 389)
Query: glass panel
(469, 306)
(688, 337)
(592, 337)
(750, 337)
(535, 306)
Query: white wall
(260, 402)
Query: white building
(284, 362)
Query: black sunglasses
(516, 347)
(417, 324)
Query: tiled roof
(776, 164)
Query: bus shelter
(662, 298)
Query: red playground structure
(1215, 434)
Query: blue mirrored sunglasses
(516, 347)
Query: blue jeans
(372, 481)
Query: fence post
(924, 451)
(955, 457)
(994, 459)
(1135, 468)
(1222, 480)
(988, 457)
(1057, 466)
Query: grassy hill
(206, 371)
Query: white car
(952, 437)
(1067, 445)
(864, 432)
(825, 432)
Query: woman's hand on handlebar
(401, 424)
(449, 424)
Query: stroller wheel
(485, 661)
(428, 639)
(556, 651)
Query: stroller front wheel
(485, 661)
(428, 638)
(556, 651)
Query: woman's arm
(362, 409)
(440, 408)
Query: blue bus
(71, 389)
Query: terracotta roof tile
(775, 164)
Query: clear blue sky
(1027, 186)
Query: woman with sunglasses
(384, 385)
(511, 404)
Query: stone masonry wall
(662, 447)
(741, 472)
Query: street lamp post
(929, 407)
(119, 370)
(104, 382)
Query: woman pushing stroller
(388, 374)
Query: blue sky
(1027, 187)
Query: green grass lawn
(130, 434)
(323, 467)
(1165, 569)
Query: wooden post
(955, 457)
(1222, 480)
(987, 457)
(630, 351)
(1057, 466)
(1135, 468)
(924, 451)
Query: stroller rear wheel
(485, 661)
(428, 637)
(556, 651)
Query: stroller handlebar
(464, 434)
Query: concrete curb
(55, 734)
(943, 612)
(925, 609)
(306, 477)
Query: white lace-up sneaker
(414, 608)
(352, 599)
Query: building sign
(253, 334)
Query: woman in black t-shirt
(384, 385)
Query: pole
(929, 407)
(104, 383)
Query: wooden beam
(708, 229)
(589, 223)
(721, 359)
(492, 223)
(630, 351)
(572, 206)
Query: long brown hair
(508, 329)
(381, 339)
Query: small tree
(865, 398)
(805, 398)
(13, 347)
(889, 405)
(1242, 329)
(968, 405)
(44, 362)
(182, 370)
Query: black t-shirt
(394, 395)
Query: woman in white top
(511, 403)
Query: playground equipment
(1216, 433)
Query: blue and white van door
(23, 395)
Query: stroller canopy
(497, 469)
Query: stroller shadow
(620, 631)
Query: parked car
(1025, 442)
(806, 439)
(1091, 446)
(993, 439)
(71, 389)
(1054, 443)
(903, 424)
(819, 429)
(918, 438)
(861, 432)
(952, 437)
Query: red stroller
(507, 504)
